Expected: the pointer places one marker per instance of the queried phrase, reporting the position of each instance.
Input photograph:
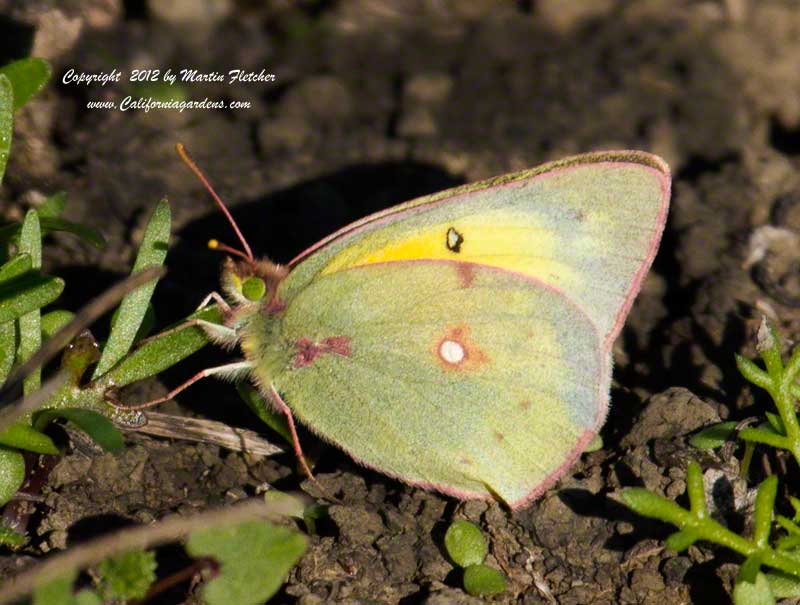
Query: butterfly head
(252, 282)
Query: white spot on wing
(451, 351)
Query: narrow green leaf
(787, 524)
(465, 543)
(53, 321)
(775, 422)
(152, 252)
(483, 581)
(94, 424)
(752, 372)
(6, 122)
(12, 473)
(714, 436)
(26, 294)
(148, 322)
(27, 76)
(19, 265)
(8, 348)
(764, 434)
(274, 420)
(750, 569)
(681, 540)
(765, 503)
(86, 233)
(254, 559)
(30, 324)
(696, 490)
(653, 506)
(52, 207)
(24, 437)
(163, 350)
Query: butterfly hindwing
(473, 380)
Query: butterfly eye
(253, 288)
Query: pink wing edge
(661, 171)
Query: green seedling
(466, 546)
(127, 576)
(243, 559)
(780, 555)
(25, 291)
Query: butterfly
(461, 341)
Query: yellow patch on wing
(513, 245)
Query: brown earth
(378, 101)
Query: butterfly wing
(473, 380)
(587, 225)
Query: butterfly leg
(217, 298)
(279, 403)
(230, 371)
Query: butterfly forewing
(588, 226)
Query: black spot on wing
(453, 240)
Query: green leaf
(88, 597)
(27, 76)
(6, 122)
(714, 436)
(775, 423)
(94, 424)
(764, 434)
(753, 593)
(30, 324)
(681, 540)
(10, 538)
(483, 581)
(763, 510)
(465, 543)
(127, 576)
(25, 437)
(27, 293)
(132, 310)
(163, 350)
(12, 473)
(19, 265)
(86, 233)
(654, 506)
(53, 321)
(274, 420)
(148, 322)
(783, 585)
(52, 207)
(8, 348)
(254, 559)
(55, 592)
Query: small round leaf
(483, 581)
(465, 544)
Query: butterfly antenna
(247, 254)
(217, 245)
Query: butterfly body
(462, 341)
